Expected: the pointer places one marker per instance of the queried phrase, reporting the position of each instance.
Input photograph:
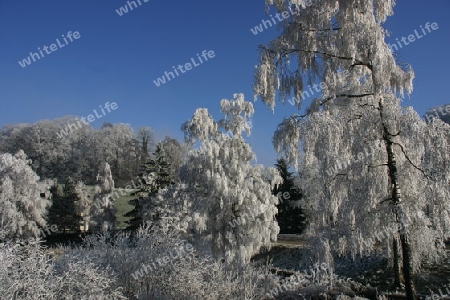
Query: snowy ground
(374, 271)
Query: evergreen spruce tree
(56, 210)
(71, 219)
(290, 216)
(62, 213)
(155, 174)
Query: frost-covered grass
(103, 266)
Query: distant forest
(80, 153)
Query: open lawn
(120, 203)
(123, 207)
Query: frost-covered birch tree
(227, 199)
(338, 49)
(22, 209)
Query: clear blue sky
(118, 57)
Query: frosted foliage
(266, 79)
(30, 273)
(83, 205)
(22, 209)
(106, 180)
(228, 199)
(103, 211)
(201, 126)
(348, 204)
(286, 138)
(236, 113)
(325, 39)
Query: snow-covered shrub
(136, 264)
(29, 272)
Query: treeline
(80, 153)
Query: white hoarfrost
(354, 206)
(22, 209)
(340, 46)
(220, 186)
(103, 212)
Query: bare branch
(409, 160)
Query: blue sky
(117, 58)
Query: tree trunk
(397, 266)
(407, 267)
(397, 201)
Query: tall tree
(56, 210)
(63, 212)
(22, 209)
(146, 138)
(83, 205)
(103, 212)
(176, 154)
(340, 46)
(156, 174)
(290, 216)
(73, 219)
(223, 200)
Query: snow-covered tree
(339, 49)
(63, 212)
(156, 174)
(83, 205)
(103, 212)
(160, 167)
(224, 200)
(146, 138)
(175, 153)
(441, 112)
(22, 209)
(66, 147)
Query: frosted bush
(190, 276)
(29, 272)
